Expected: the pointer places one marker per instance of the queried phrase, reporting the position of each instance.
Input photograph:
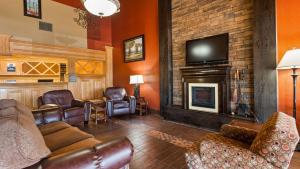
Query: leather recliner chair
(74, 111)
(117, 102)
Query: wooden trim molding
(19, 47)
(5, 44)
(109, 66)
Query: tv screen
(210, 50)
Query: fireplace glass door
(203, 97)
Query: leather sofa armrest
(47, 114)
(242, 134)
(116, 153)
(108, 155)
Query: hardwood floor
(158, 144)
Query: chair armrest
(216, 149)
(132, 103)
(87, 108)
(77, 103)
(109, 107)
(47, 114)
(111, 154)
(242, 134)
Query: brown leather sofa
(75, 149)
(74, 111)
(118, 102)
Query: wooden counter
(28, 93)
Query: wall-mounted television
(209, 50)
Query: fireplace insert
(204, 97)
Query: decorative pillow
(21, 142)
(277, 139)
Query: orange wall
(288, 37)
(100, 35)
(137, 17)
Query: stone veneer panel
(192, 19)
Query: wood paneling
(87, 67)
(265, 84)
(86, 88)
(92, 69)
(4, 44)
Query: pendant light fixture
(102, 8)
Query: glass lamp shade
(136, 79)
(291, 59)
(102, 7)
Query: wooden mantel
(91, 80)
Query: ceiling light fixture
(102, 8)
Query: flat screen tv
(209, 50)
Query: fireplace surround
(204, 78)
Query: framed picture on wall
(33, 8)
(134, 49)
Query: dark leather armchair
(74, 111)
(117, 102)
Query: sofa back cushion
(21, 142)
(277, 139)
(62, 98)
(115, 93)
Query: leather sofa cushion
(22, 143)
(86, 143)
(73, 112)
(121, 104)
(65, 138)
(53, 127)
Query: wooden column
(265, 84)
(165, 54)
(5, 45)
(109, 66)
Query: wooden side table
(98, 110)
(142, 106)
